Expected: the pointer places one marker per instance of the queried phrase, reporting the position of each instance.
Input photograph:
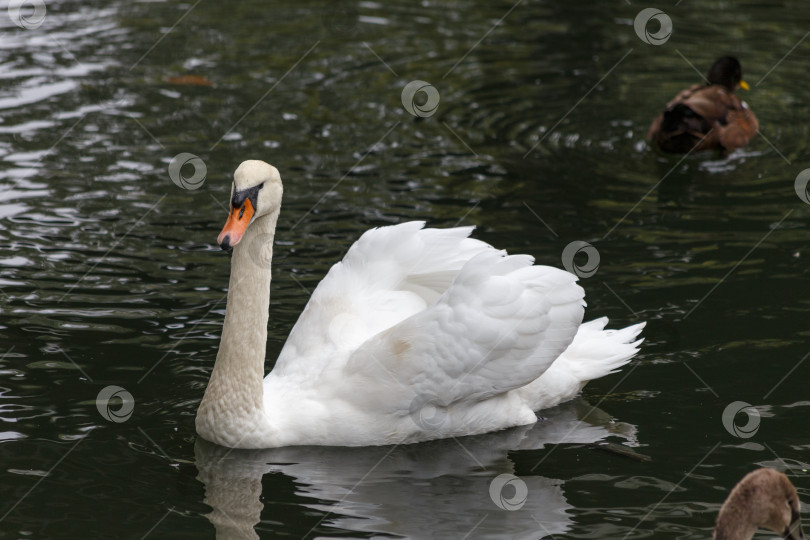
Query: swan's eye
(250, 194)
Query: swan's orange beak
(236, 225)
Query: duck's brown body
(763, 498)
(708, 116)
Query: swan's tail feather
(594, 353)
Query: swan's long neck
(232, 407)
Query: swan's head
(256, 191)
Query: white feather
(423, 323)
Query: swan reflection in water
(437, 489)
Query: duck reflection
(439, 489)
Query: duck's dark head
(726, 71)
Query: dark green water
(109, 272)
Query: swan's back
(414, 319)
(389, 274)
(417, 319)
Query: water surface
(109, 272)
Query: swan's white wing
(388, 275)
(498, 327)
(594, 353)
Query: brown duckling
(763, 498)
(707, 116)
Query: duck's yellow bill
(744, 85)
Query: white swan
(417, 334)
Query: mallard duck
(763, 498)
(707, 116)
